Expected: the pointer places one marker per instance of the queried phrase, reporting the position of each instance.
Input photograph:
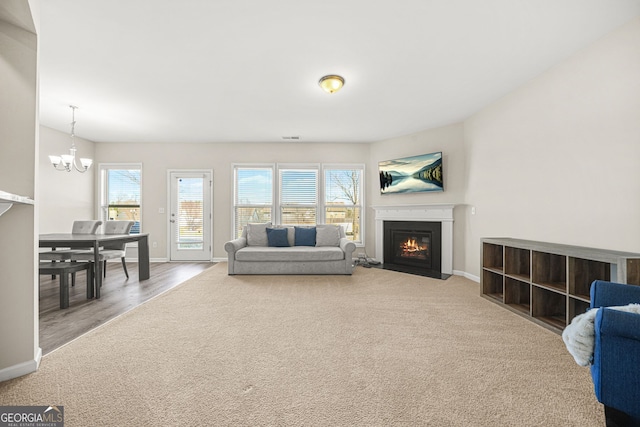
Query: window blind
(343, 200)
(190, 194)
(253, 198)
(298, 196)
(123, 191)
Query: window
(301, 195)
(343, 199)
(253, 196)
(298, 196)
(121, 186)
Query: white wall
(558, 160)
(449, 140)
(156, 159)
(19, 347)
(64, 196)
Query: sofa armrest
(347, 246)
(616, 359)
(232, 247)
(235, 245)
(607, 294)
(616, 323)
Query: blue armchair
(616, 359)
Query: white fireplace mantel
(430, 213)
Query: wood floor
(118, 295)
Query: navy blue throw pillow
(305, 236)
(277, 237)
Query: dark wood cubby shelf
(549, 283)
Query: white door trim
(168, 207)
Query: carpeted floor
(378, 348)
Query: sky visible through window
(255, 185)
(299, 187)
(342, 186)
(124, 186)
(191, 189)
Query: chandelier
(68, 161)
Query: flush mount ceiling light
(331, 83)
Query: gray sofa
(252, 253)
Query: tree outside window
(122, 190)
(343, 199)
(300, 196)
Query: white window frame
(234, 205)
(298, 167)
(322, 205)
(101, 191)
(276, 205)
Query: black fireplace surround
(413, 247)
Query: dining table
(95, 241)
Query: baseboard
(21, 369)
(466, 275)
(135, 260)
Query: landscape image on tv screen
(412, 174)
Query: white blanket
(579, 335)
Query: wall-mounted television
(412, 174)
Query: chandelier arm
(83, 170)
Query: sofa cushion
(327, 235)
(257, 234)
(291, 233)
(277, 237)
(289, 254)
(305, 236)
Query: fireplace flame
(412, 246)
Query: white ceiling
(247, 70)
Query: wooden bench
(63, 269)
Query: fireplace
(435, 213)
(413, 247)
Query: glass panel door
(190, 216)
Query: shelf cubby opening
(517, 294)
(577, 307)
(517, 262)
(550, 270)
(549, 307)
(492, 285)
(633, 271)
(492, 257)
(583, 272)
